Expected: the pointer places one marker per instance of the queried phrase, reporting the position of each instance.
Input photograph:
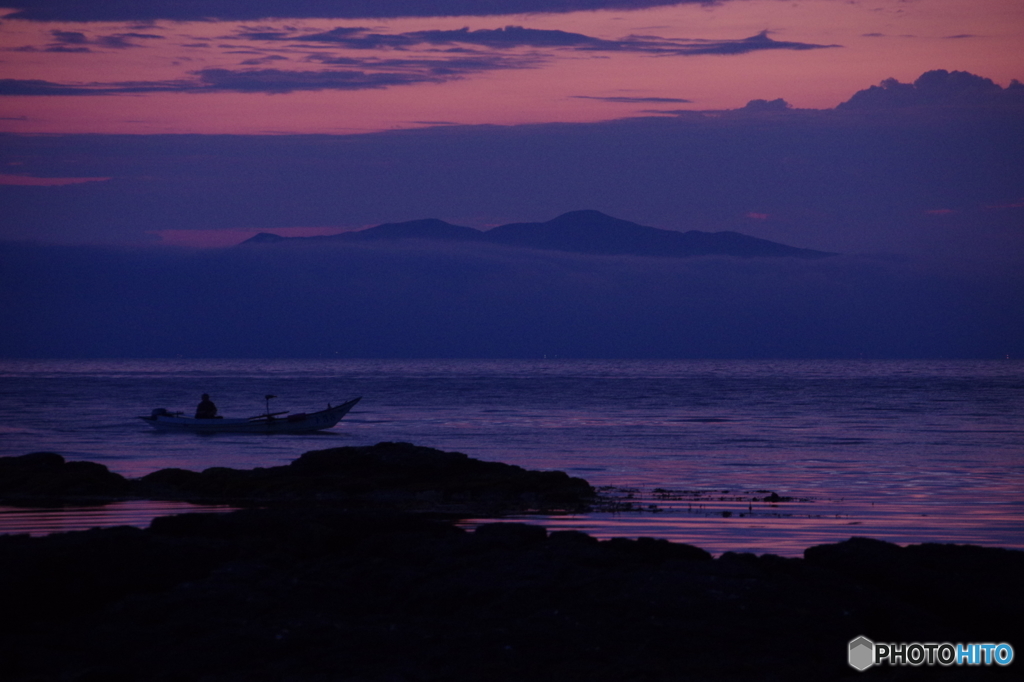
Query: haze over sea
(906, 451)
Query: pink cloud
(29, 181)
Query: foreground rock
(290, 594)
(330, 576)
(45, 478)
(386, 475)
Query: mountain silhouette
(597, 233)
(429, 228)
(590, 232)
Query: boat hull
(296, 423)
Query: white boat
(163, 420)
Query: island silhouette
(586, 231)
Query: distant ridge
(429, 228)
(265, 238)
(586, 231)
(597, 233)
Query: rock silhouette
(44, 477)
(329, 577)
(386, 475)
(318, 594)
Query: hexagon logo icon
(862, 653)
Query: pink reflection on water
(139, 513)
(724, 521)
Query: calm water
(909, 451)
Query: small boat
(269, 422)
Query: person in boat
(206, 408)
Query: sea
(728, 455)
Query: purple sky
(349, 66)
(346, 67)
(883, 130)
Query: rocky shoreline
(348, 567)
(394, 476)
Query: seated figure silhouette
(206, 408)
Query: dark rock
(324, 594)
(45, 477)
(387, 475)
(170, 482)
(344, 583)
(396, 475)
(572, 537)
(516, 535)
(656, 550)
(34, 461)
(970, 581)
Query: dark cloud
(65, 48)
(259, 61)
(273, 81)
(124, 40)
(35, 87)
(277, 81)
(758, 105)
(76, 41)
(518, 36)
(353, 38)
(150, 10)
(636, 100)
(117, 42)
(65, 41)
(22, 87)
(506, 37)
(939, 88)
(376, 72)
(69, 37)
(436, 69)
(511, 36)
(756, 43)
(418, 300)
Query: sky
(273, 67)
(141, 141)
